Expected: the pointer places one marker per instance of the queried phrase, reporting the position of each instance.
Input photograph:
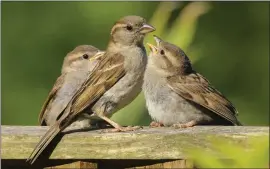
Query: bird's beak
(97, 55)
(146, 28)
(158, 40)
(153, 48)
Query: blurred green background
(228, 42)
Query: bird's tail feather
(43, 143)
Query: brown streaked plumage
(196, 88)
(178, 95)
(110, 70)
(77, 65)
(114, 82)
(74, 71)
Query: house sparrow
(76, 67)
(176, 95)
(113, 83)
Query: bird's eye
(85, 56)
(162, 52)
(129, 27)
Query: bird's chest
(157, 94)
(72, 83)
(164, 105)
(135, 60)
(70, 86)
(129, 86)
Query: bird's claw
(156, 124)
(185, 125)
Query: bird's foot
(118, 127)
(156, 124)
(185, 125)
(123, 129)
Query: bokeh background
(228, 42)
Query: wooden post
(146, 148)
(78, 164)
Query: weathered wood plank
(148, 143)
(164, 165)
(77, 165)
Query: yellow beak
(153, 48)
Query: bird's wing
(59, 82)
(109, 70)
(194, 87)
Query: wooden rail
(146, 148)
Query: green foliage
(228, 154)
(228, 42)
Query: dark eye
(129, 27)
(85, 56)
(162, 52)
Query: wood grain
(146, 148)
(148, 143)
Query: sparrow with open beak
(113, 83)
(176, 95)
(77, 65)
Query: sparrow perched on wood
(77, 65)
(114, 82)
(176, 95)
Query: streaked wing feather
(109, 70)
(104, 76)
(196, 88)
(59, 82)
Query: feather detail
(196, 88)
(42, 115)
